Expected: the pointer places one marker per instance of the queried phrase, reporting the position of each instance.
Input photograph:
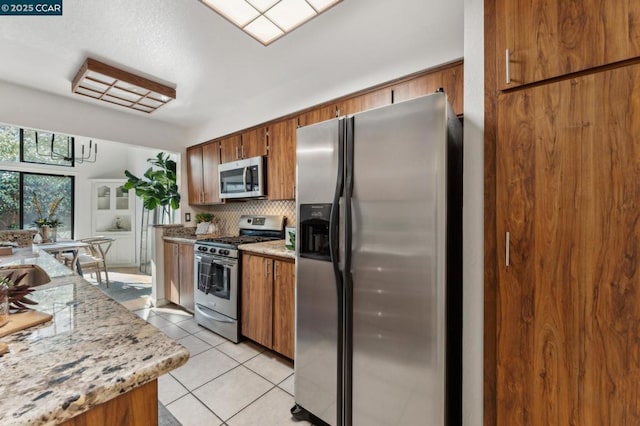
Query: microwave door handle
(250, 174)
(244, 178)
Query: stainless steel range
(217, 273)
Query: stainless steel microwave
(242, 178)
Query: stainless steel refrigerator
(378, 271)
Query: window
(17, 209)
(46, 148)
(32, 146)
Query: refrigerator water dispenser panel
(314, 231)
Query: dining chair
(94, 258)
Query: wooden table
(60, 247)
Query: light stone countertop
(271, 248)
(93, 351)
(25, 256)
(188, 240)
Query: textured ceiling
(219, 71)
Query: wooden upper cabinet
(568, 194)
(210, 162)
(202, 174)
(230, 149)
(450, 79)
(318, 115)
(553, 38)
(281, 169)
(254, 143)
(364, 102)
(194, 175)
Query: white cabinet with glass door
(113, 216)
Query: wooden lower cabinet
(568, 233)
(284, 281)
(268, 302)
(257, 299)
(138, 407)
(178, 274)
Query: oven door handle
(225, 264)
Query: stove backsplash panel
(229, 214)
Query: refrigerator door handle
(347, 340)
(334, 233)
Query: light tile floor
(223, 383)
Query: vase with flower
(47, 225)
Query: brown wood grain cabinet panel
(202, 174)
(553, 38)
(317, 115)
(284, 307)
(490, 233)
(194, 175)
(370, 100)
(254, 143)
(185, 254)
(171, 272)
(450, 79)
(257, 299)
(281, 167)
(210, 179)
(138, 407)
(230, 149)
(568, 192)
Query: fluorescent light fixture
(110, 84)
(268, 20)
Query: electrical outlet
(187, 217)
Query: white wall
(473, 217)
(35, 109)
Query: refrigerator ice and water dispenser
(314, 231)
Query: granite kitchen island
(95, 361)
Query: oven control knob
(226, 252)
(212, 250)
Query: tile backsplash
(229, 214)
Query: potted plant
(47, 225)
(158, 187)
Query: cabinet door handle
(275, 270)
(506, 249)
(293, 193)
(266, 268)
(507, 66)
(237, 153)
(242, 151)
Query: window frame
(21, 160)
(21, 174)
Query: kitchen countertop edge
(62, 373)
(271, 248)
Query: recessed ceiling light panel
(268, 20)
(106, 83)
(289, 14)
(262, 5)
(237, 11)
(264, 30)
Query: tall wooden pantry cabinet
(562, 283)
